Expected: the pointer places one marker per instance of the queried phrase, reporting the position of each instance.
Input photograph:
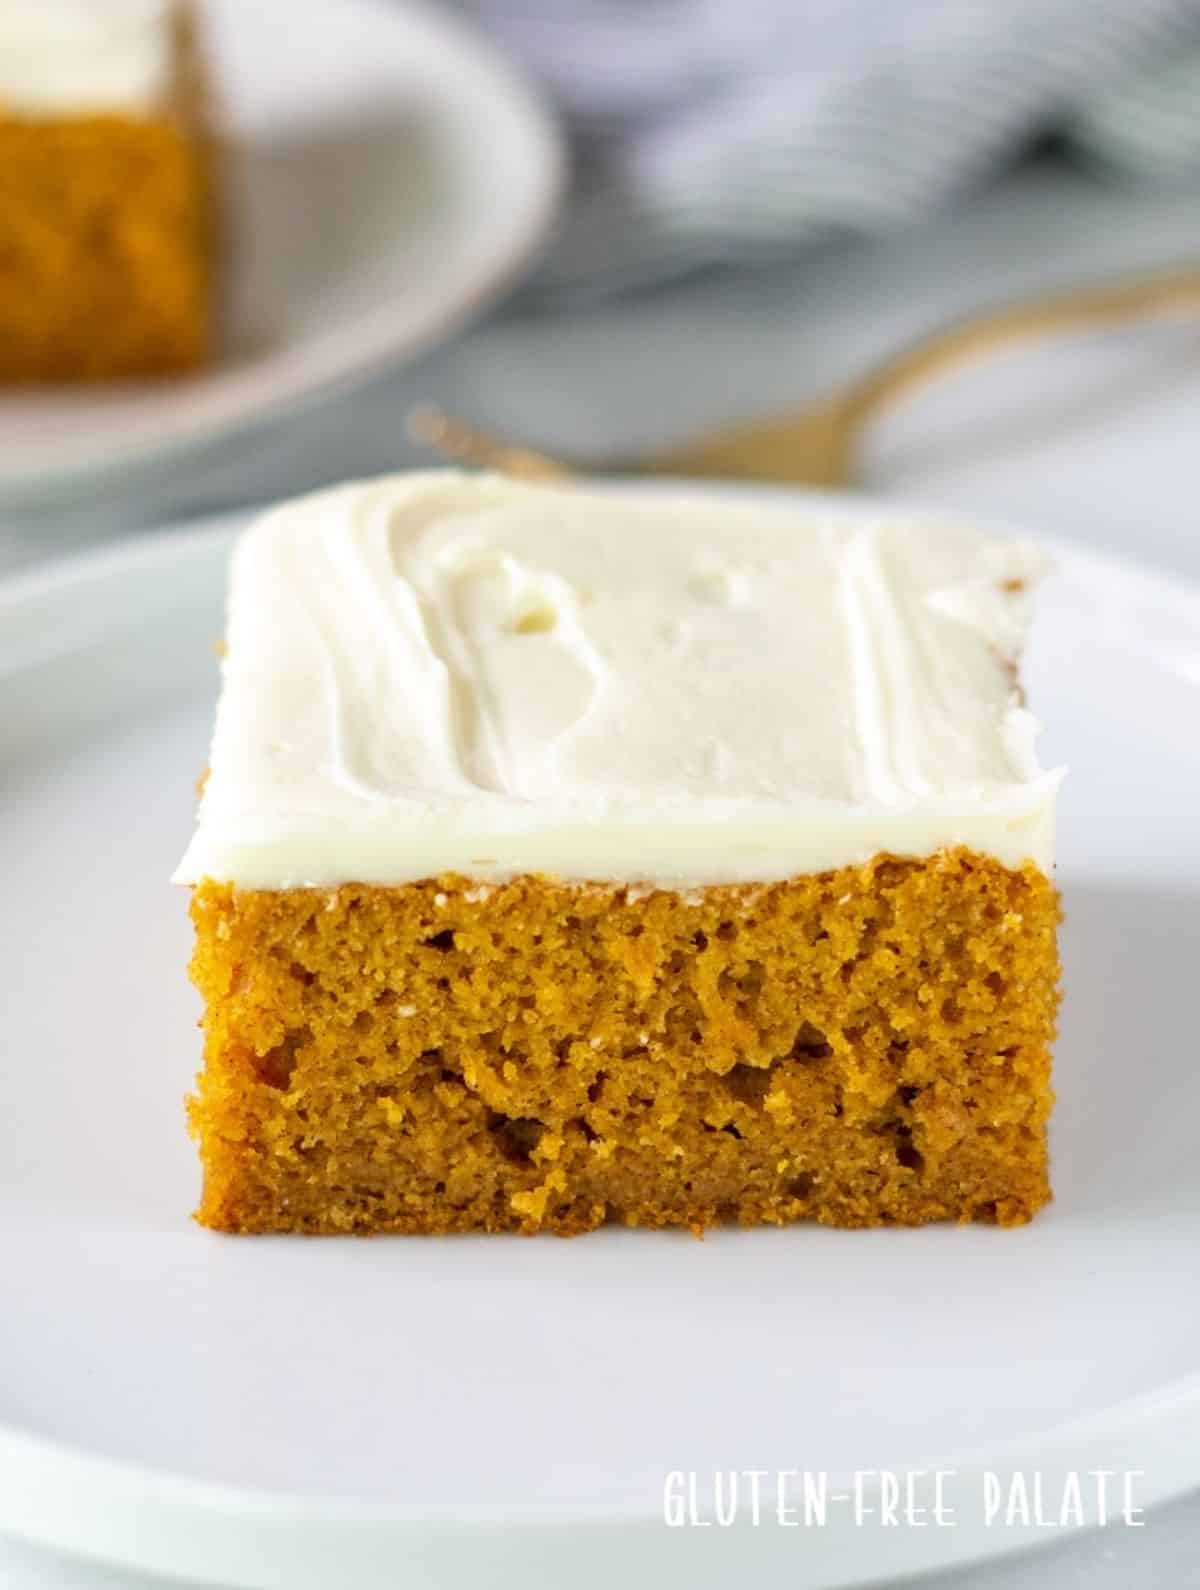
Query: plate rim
(131, 1515)
(42, 486)
(137, 1515)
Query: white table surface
(1095, 439)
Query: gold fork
(817, 445)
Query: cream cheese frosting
(436, 672)
(65, 57)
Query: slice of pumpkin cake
(571, 857)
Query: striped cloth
(716, 131)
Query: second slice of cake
(570, 857)
(107, 214)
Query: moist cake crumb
(861, 1047)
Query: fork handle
(816, 446)
(964, 340)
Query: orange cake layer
(864, 1046)
(107, 239)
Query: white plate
(291, 1413)
(386, 174)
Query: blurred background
(763, 199)
(712, 133)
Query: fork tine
(429, 427)
(812, 447)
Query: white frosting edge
(759, 847)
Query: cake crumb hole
(516, 1136)
(276, 1066)
(907, 1154)
(809, 1043)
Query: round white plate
(299, 1414)
(386, 175)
